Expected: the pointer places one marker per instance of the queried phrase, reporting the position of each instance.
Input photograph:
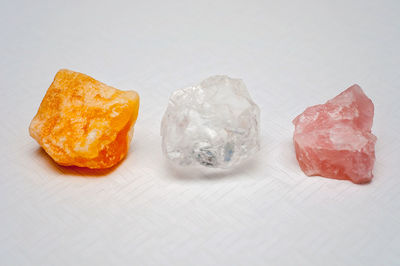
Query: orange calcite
(84, 122)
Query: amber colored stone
(84, 122)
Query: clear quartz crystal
(214, 124)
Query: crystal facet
(214, 124)
(334, 139)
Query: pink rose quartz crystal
(334, 139)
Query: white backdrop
(290, 54)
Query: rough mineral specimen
(334, 139)
(84, 122)
(214, 124)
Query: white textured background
(291, 54)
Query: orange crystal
(84, 122)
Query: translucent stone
(334, 139)
(214, 124)
(84, 122)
